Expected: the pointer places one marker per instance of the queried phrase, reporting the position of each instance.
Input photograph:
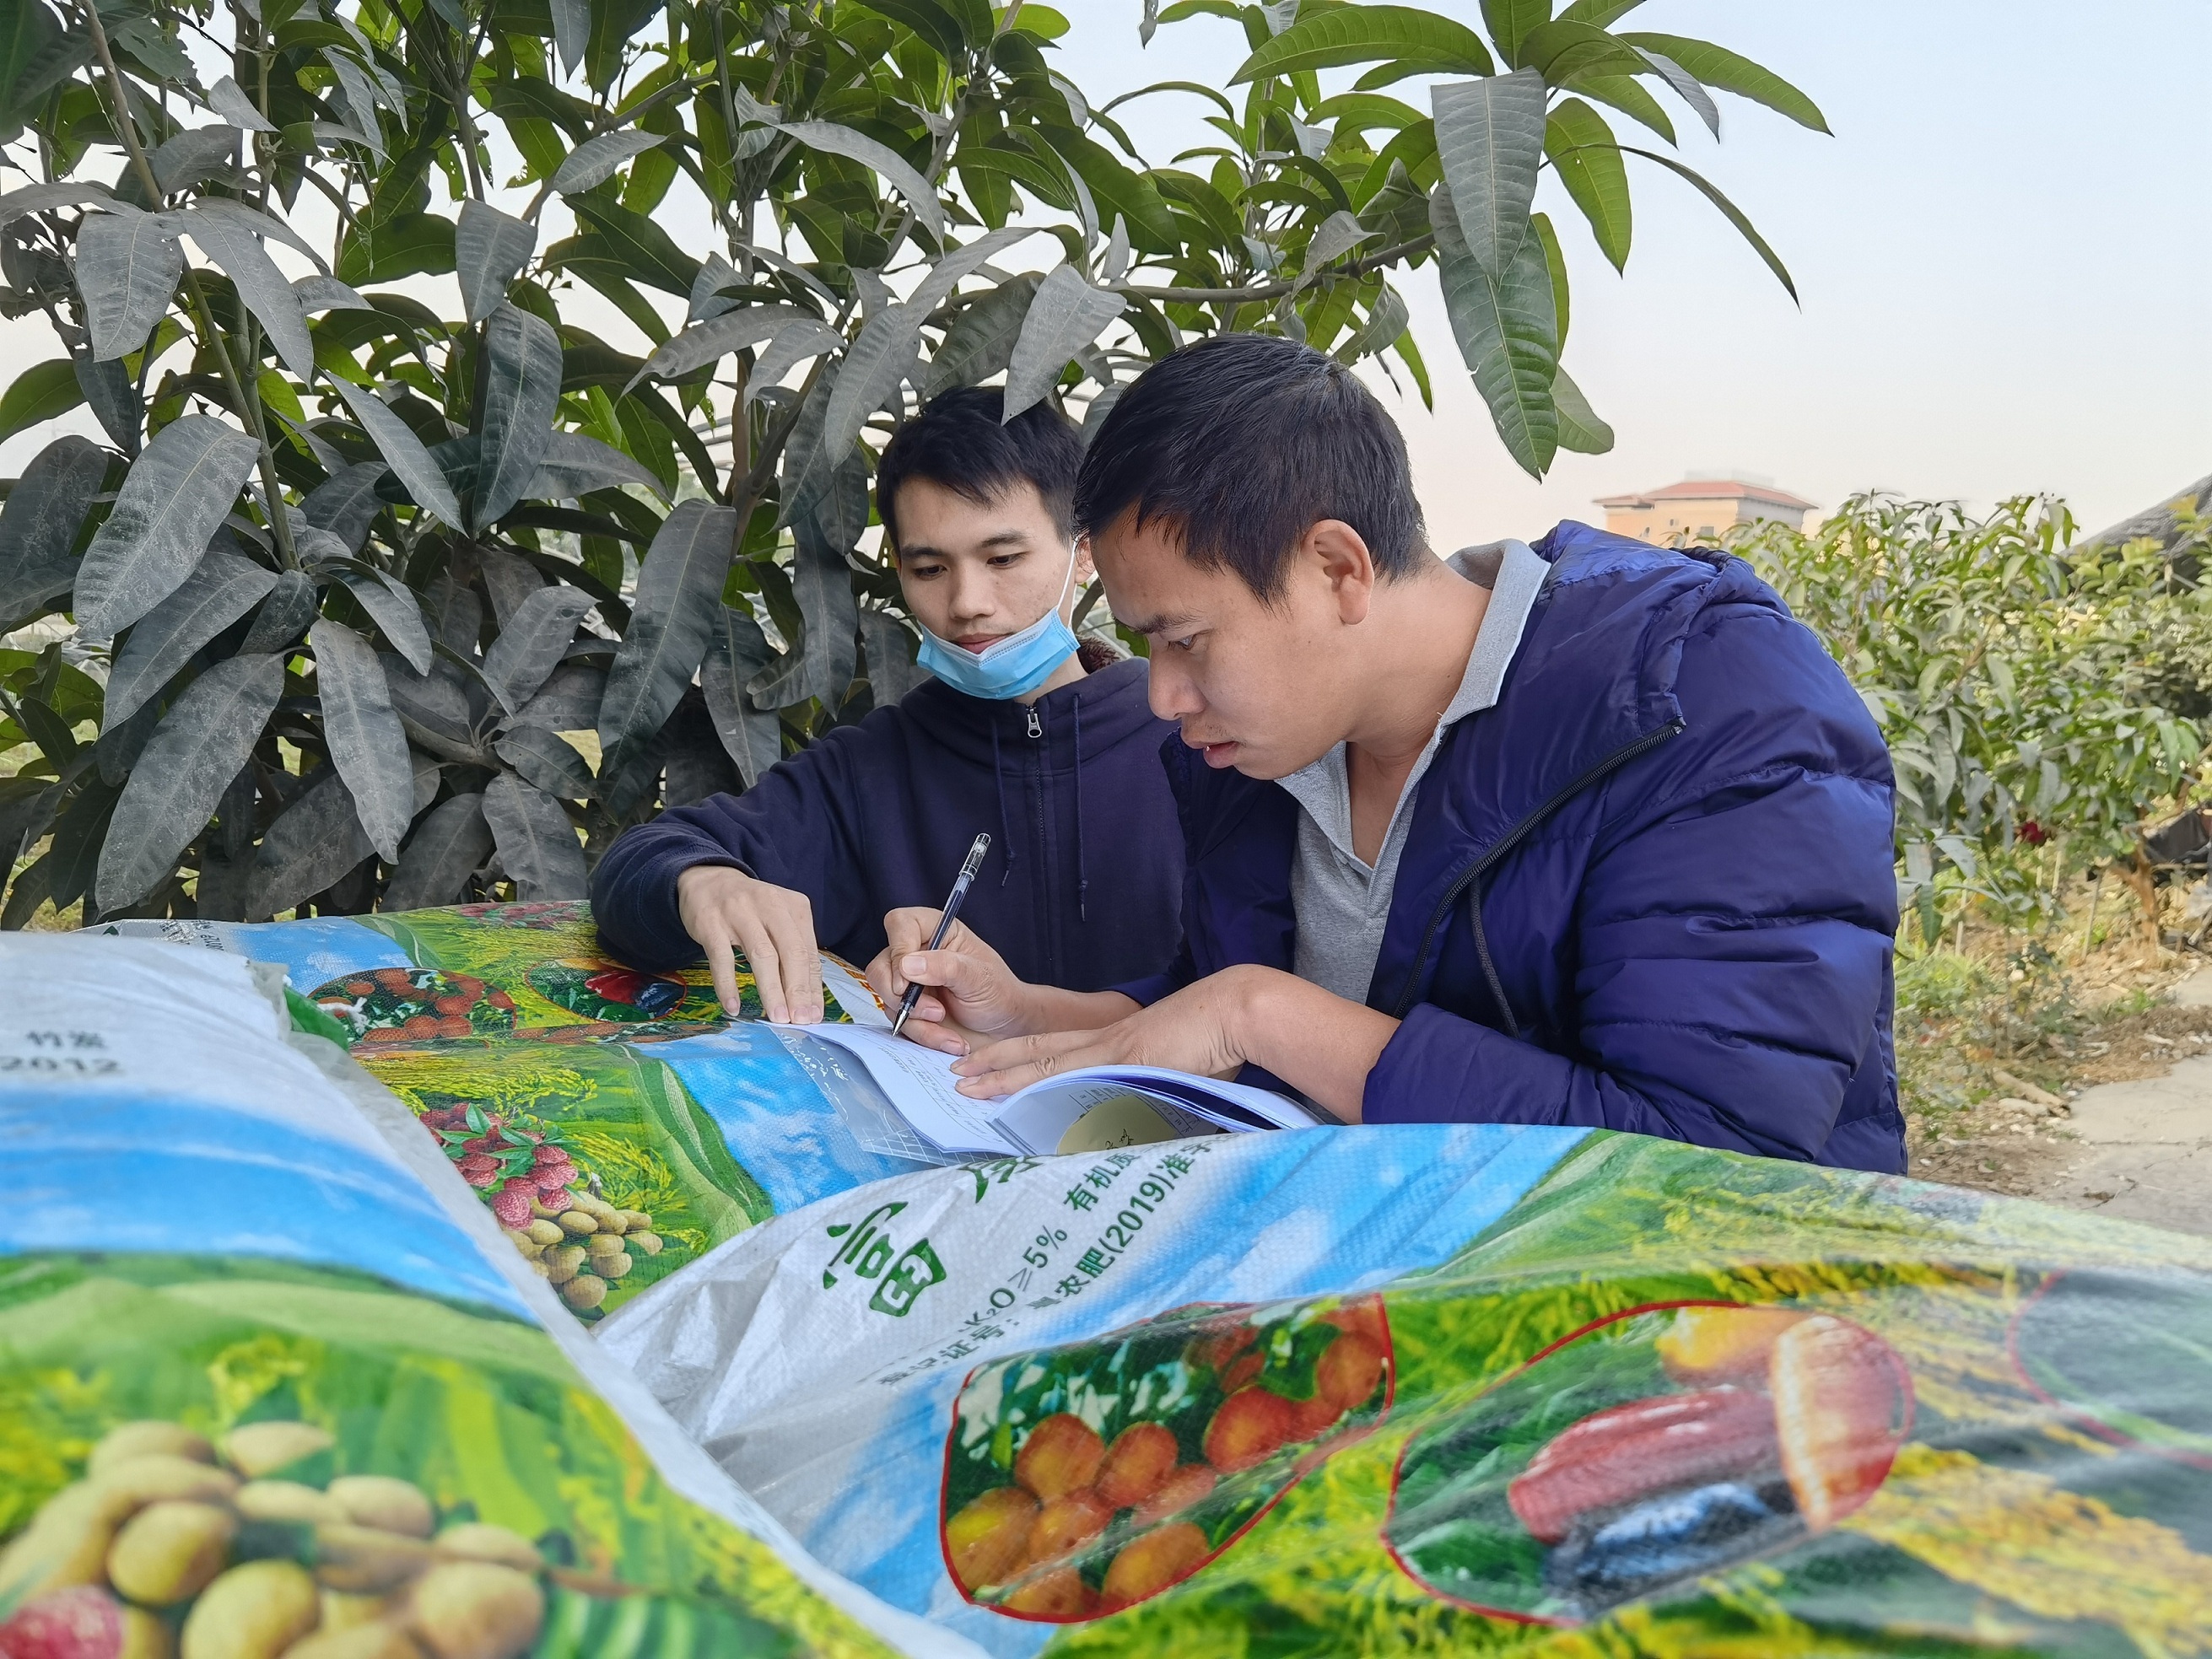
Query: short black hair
(959, 441)
(1243, 442)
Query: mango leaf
(195, 752)
(489, 251)
(879, 158)
(44, 199)
(1589, 163)
(706, 343)
(645, 252)
(193, 154)
(1386, 321)
(1580, 429)
(346, 503)
(822, 585)
(320, 293)
(176, 495)
(284, 614)
(367, 743)
(38, 393)
(522, 395)
(679, 587)
(1507, 334)
(537, 843)
(1508, 20)
(410, 462)
(1688, 89)
(1338, 235)
(572, 32)
(392, 605)
(1366, 34)
(230, 242)
(576, 465)
(222, 589)
(981, 342)
(1730, 210)
(448, 845)
(547, 762)
(1066, 315)
(1569, 48)
(39, 526)
(229, 99)
(753, 737)
(532, 641)
(594, 161)
(793, 344)
(314, 841)
(113, 397)
(892, 671)
(568, 701)
(1717, 66)
(1490, 143)
(887, 351)
(128, 264)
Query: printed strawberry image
(1086, 1480)
(1657, 1447)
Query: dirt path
(2136, 1145)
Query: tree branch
(1204, 296)
(248, 406)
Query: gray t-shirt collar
(1515, 575)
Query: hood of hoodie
(1112, 704)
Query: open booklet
(1080, 1111)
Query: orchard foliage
(2040, 700)
(491, 390)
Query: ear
(1086, 568)
(1334, 557)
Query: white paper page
(1040, 1115)
(920, 1082)
(1197, 1092)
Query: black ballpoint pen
(968, 869)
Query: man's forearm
(1318, 1042)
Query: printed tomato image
(414, 1005)
(1083, 1480)
(1655, 1447)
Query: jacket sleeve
(1734, 926)
(797, 827)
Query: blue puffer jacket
(1650, 890)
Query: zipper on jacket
(1499, 849)
(1036, 725)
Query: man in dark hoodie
(1587, 832)
(1050, 747)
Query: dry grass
(2042, 1010)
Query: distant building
(1700, 510)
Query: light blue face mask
(1010, 667)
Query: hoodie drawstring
(1082, 875)
(1005, 829)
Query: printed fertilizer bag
(272, 1383)
(558, 1081)
(1465, 1390)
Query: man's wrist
(1251, 1010)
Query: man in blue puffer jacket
(1589, 833)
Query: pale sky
(2002, 257)
(2005, 256)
